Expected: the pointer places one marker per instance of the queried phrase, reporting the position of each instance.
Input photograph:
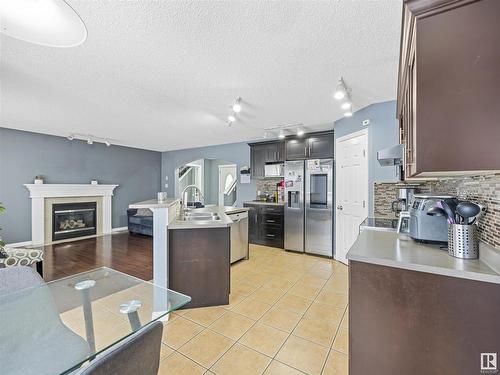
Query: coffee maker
(405, 194)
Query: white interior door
(351, 189)
(227, 182)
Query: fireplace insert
(71, 220)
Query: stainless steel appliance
(239, 236)
(424, 226)
(309, 206)
(294, 205)
(273, 170)
(405, 194)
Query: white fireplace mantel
(38, 193)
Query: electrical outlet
(366, 122)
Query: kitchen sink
(200, 216)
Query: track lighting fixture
(300, 131)
(237, 105)
(341, 90)
(88, 138)
(281, 134)
(346, 105)
(231, 118)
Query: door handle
(270, 235)
(270, 221)
(340, 208)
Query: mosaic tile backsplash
(479, 189)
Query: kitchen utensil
(467, 210)
(436, 211)
(450, 214)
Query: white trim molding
(39, 192)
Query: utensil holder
(463, 241)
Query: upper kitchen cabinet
(449, 75)
(262, 153)
(311, 146)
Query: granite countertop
(394, 250)
(153, 203)
(266, 203)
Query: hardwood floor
(131, 254)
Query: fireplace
(71, 220)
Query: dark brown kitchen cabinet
(266, 224)
(262, 153)
(320, 146)
(448, 103)
(311, 146)
(258, 155)
(415, 323)
(296, 148)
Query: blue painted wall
(383, 132)
(23, 155)
(238, 153)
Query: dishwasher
(239, 236)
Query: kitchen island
(413, 308)
(191, 252)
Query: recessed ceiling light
(300, 132)
(50, 23)
(237, 106)
(231, 118)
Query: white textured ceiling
(162, 75)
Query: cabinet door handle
(270, 235)
(271, 221)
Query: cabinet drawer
(272, 220)
(271, 209)
(272, 236)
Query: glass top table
(55, 327)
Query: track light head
(340, 91)
(90, 141)
(107, 143)
(237, 105)
(300, 132)
(70, 137)
(281, 134)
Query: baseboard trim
(19, 244)
(119, 229)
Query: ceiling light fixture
(51, 23)
(70, 137)
(341, 90)
(107, 143)
(237, 105)
(231, 118)
(300, 132)
(346, 105)
(90, 141)
(281, 134)
(348, 111)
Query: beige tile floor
(287, 315)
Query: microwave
(274, 170)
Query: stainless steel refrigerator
(309, 206)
